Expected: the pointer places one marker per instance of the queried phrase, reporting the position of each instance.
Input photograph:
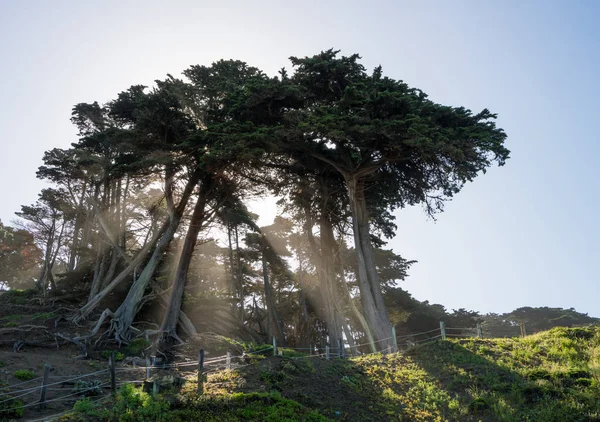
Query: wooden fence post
(228, 359)
(327, 352)
(111, 368)
(147, 368)
(443, 330)
(395, 340)
(341, 343)
(479, 330)
(274, 346)
(44, 384)
(200, 371)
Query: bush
(24, 375)
(87, 407)
(11, 408)
(118, 355)
(137, 346)
(132, 404)
(478, 405)
(88, 388)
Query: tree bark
(239, 277)
(159, 242)
(169, 324)
(328, 281)
(274, 324)
(129, 308)
(324, 263)
(375, 312)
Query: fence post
(44, 384)
(200, 370)
(228, 359)
(147, 368)
(111, 368)
(155, 388)
(327, 352)
(274, 346)
(443, 330)
(395, 340)
(479, 330)
(341, 343)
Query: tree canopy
(158, 183)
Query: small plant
(10, 409)
(118, 355)
(87, 407)
(88, 388)
(133, 404)
(11, 324)
(137, 346)
(24, 375)
(478, 405)
(272, 377)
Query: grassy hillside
(550, 376)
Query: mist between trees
(147, 216)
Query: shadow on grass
(458, 380)
(491, 382)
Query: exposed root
(24, 328)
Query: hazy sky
(523, 234)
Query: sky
(521, 235)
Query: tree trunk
(239, 278)
(303, 321)
(368, 280)
(79, 221)
(169, 324)
(159, 242)
(327, 281)
(324, 262)
(129, 308)
(274, 324)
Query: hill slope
(550, 376)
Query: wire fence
(107, 379)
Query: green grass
(549, 376)
(24, 375)
(133, 404)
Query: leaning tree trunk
(368, 280)
(135, 262)
(159, 242)
(129, 308)
(169, 324)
